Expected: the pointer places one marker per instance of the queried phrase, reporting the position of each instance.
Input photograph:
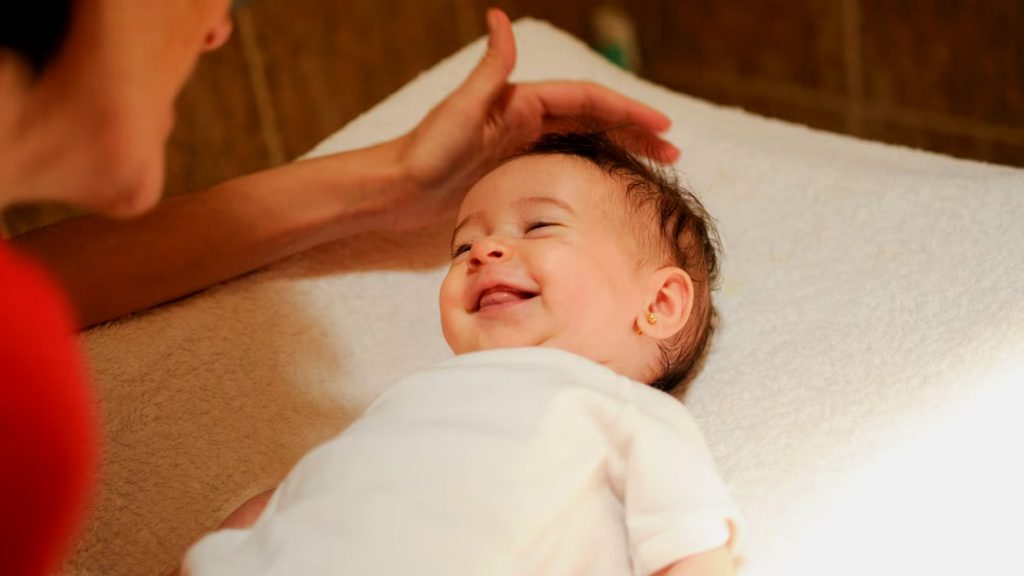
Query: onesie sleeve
(675, 503)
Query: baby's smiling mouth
(501, 295)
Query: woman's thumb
(489, 77)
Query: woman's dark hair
(685, 230)
(35, 29)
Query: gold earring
(652, 318)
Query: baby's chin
(504, 343)
(498, 343)
(613, 364)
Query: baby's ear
(669, 303)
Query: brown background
(946, 75)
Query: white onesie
(513, 461)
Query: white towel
(860, 398)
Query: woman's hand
(486, 119)
(416, 180)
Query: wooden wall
(945, 75)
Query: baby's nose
(492, 254)
(488, 250)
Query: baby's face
(543, 256)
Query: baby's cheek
(454, 334)
(450, 308)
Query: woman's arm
(189, 243)
(113, 268)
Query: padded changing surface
(861, 397)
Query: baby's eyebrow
(472, 217)
(528, 200)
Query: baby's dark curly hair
(685, 236)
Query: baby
(579, 293)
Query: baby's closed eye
(459, 250)
(530, 229)
(540, 225)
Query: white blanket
(860, 399)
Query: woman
(86, 123)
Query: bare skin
(247, 514)
(113, 268)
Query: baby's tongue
(500, 297)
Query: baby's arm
(716, 562)
(245, 515)
(667, 523)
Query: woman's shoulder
(30, 300)
(47, 410)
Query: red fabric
(47, 426)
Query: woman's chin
(128, 202)
(132, 207)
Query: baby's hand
(716, 562)
(246, 515)
(243, 517)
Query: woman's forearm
(114, 268)
(189, 243)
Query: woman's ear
(669, 304)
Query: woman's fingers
(525, 110)
(490, 76)
(576, 99)
(565, 103)
(646, 143)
